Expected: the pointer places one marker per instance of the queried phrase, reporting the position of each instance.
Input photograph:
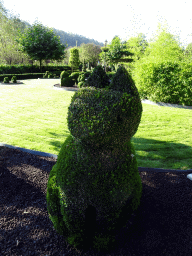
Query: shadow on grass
(151, 153)
(57, 144)
(162, 154)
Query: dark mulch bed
(163, 225)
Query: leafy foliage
(117, 52)
(137, 46)
(9, 53)
(188, 52)
(74, 58)
(6, 80)
(98, 78)
(168, 82)
(40, 43)
(164, 47)
(84, 66)
(89, 53)
(122, 81)
(14, 79)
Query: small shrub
(75, 76)
(81, 78)
(14, 79)
(46, 74)
(6, 80)
(67, 81)
(87, 74)
(98, 78)
(51, 75)
(80, 84)
(64, 74)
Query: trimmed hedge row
(22, 76)
(22, 69)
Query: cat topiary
(96, 179)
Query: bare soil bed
(163, 225)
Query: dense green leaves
(166, 47)
(40, 43)
(9, 53)
(74, 58)
(117, 52)
(89, 53)
(168, 82)
(137, 46)
(98, 78)
(188, 52)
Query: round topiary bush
(95, 184)
(67, 81)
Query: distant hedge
(22, 76)
(168, 82)
(23, 69)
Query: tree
(9, 53)
(116, 52)
(164, 47)
(41, 43)
(74, 58)
(137, 46)
(188, 52)
(90, 53)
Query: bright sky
(103, 19)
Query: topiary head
(98, 78)
(103, 117)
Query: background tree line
(134, 50)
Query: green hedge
(22, 76)
(20, 69)
(168, 82)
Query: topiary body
(96, 174)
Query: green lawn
(33, 116)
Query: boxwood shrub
(168, 82)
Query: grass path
(33, 116)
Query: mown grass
(33, 115)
